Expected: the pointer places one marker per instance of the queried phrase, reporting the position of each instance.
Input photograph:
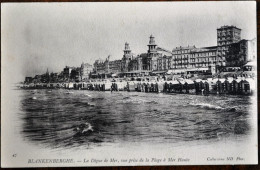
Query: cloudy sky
(37, 36)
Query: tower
(152, 54)
(126, 58)
(47, 72)
(127, 50)
(152, 45)
(228, 35)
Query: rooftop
(184, 48)
(227, 27)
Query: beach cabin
(166, 87)
(107, 85)
(121, 85)
(239, 86)
(176, 86)
(84, 86)
(228, 85)
(139, 87)
(51, 85)
(252, 85)
(188, 86)
(70, 86)
(160, 86)
(130, 86)
(206, 87)
(245, 87)
(211, 83)
(220, 86)
(148, 86)
(75, 86)
(235, 88)
(198, 86)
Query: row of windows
(228, 32)
(183, 60)
(181, 52)
(203, 54)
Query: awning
(189, 81)
(186, 70)
(156, 72)
(250, 63)
(173, 82)
(113, 75)
(198, 80)
(175, 71)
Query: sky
(37, 36)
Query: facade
(183, 57)
(237, 54)
(114, 66)
(107, 66)
(71, 74)
(228, 41)
(75, 74)
(85, 70)
(228, 35)
(230, 51)
(251, 52)
(99, 67)
(28, 80)
(67, 72)
(127, 57)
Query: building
(127, 57)
(53, 77)
(28, 80)
(99, 67)
(107, 67)
(230, 51)
(75, 74)
(67, 72)
(251, 52)
(71, 74)
(114, 66)
(183, 58)
(85, 70)
(228, 35)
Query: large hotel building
(230, 53)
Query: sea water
(58, 119)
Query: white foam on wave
(207, 105)
(88, 95)
(88, 127)
(131, 100)
(69, 92)
(84, 128)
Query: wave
(69, 92)
(124, 121)
(84, 128)
(88, 95)
(207, 106)
(136, 100)
(152, 102)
